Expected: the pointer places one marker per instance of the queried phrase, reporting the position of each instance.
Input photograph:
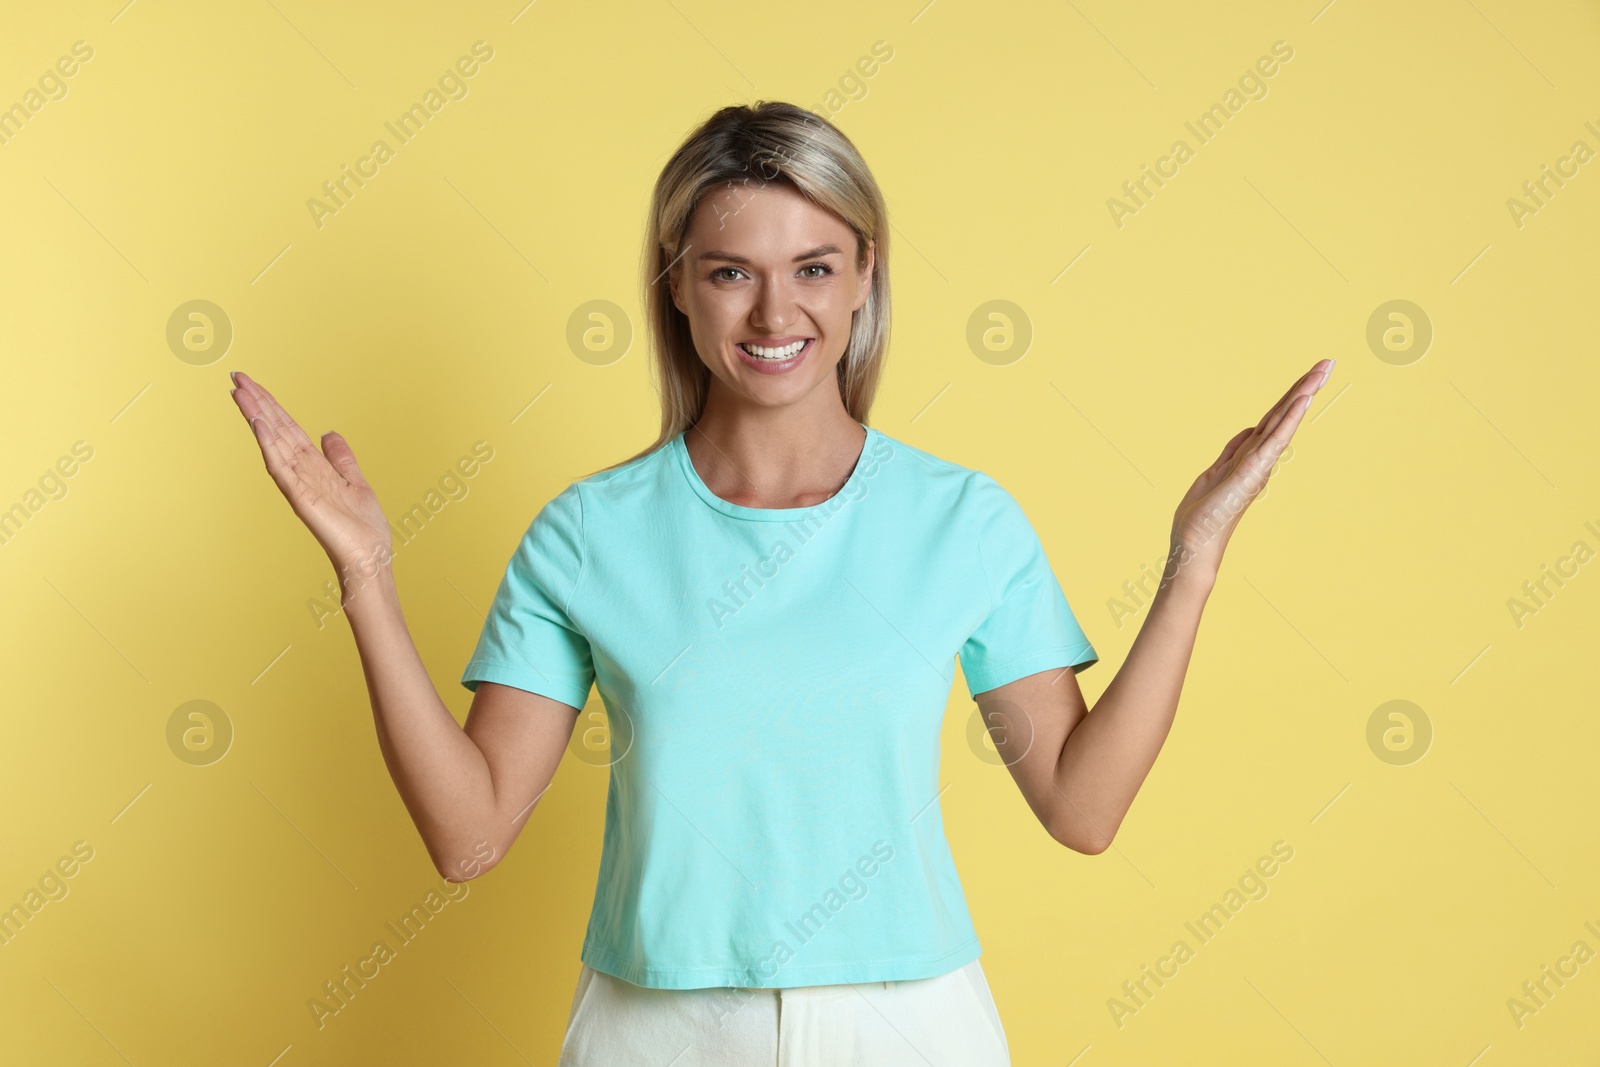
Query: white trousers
(949, 1019)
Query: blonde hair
(768, 142)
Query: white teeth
(773, 353)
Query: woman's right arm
(469, 789)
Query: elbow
(1080, 839)
(464, 868)
(1089, 848)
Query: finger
(1262, 452)
(252, 404)
(1317, 374)
(1312, 377)
(280, 451)
(1274, 417)
(1233, 445)
(339, 453)
(243, 396)
(273, 453)
(288, 431)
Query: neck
(775, 458)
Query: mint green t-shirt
(775, 682)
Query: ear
(674, 276)
(864, 279)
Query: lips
(771, 345)
(768, 365)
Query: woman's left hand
(1210, 511)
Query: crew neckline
(740, 511)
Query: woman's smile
(777, 356)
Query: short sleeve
(1029, 626)
(529, 640)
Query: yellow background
(432, 310)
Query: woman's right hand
(468, 787)
(325, 488)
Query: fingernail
(233, 376)
(232, 391)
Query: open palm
(324, 487)
(1210, 511)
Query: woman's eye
(720, 274)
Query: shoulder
(626, 485)
(559, 540)
(924, 464)
(966, 491)
(930, 472)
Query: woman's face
(767, 267)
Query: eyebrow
(729, 257)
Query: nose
(774, 309)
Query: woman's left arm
(1080, 771)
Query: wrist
(1192, 555)
(1192, 584)
(1188, 575)
(363, 576)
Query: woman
(769, 600)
